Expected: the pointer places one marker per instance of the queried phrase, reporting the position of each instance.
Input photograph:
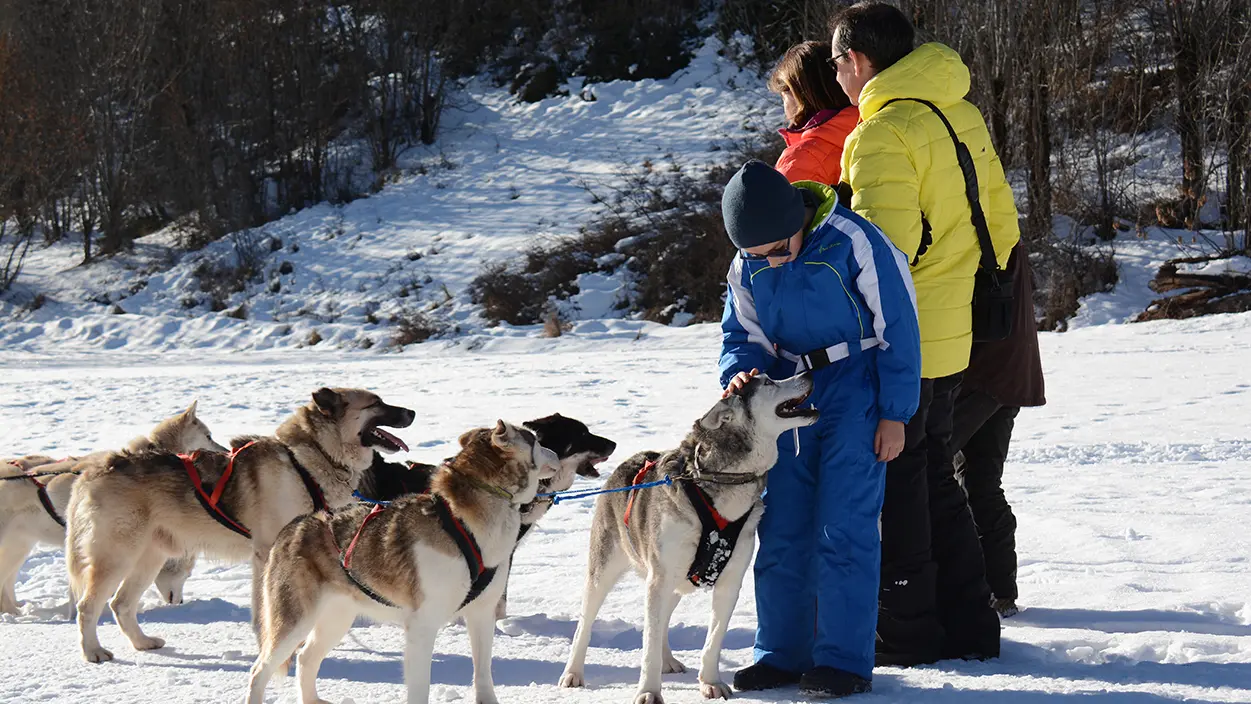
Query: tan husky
(420, 561)
(31, 514)
(128, 516)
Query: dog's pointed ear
(328, 402)
(721, 413)
(500, 435)
(464, 438)
(190, 412)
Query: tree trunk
(1189, 105)
(1038, 152)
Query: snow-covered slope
(1132, 488)
(502, 176)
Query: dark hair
(805, 71)
(879, 31)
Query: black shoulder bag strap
(992, 290)
(965, 159)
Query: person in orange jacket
(819, 115)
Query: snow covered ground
(1132, 487)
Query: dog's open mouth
(375, 436)
(790, 408)
(589, 467)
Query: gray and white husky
(698, 531)
(408, 563)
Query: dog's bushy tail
(77, 534)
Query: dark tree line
(118, 117)
(121, 116)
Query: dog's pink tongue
(391, 438)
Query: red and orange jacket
(814, 152)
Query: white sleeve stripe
(745, 308)
(868, 280)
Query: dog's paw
(572, 680)
(715, 690)
(148, 643)
(649, 698)
(673, 665)
(97, 654)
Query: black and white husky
(697, 531)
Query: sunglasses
(833, 60)
(752, 257)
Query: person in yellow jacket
(900, 164)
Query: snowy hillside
(1132, 487)
(503, 176)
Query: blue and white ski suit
(848, 291)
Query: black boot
(977, 638)
(832, 683)
(762, 676)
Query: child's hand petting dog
(738, 382)
(889, 441)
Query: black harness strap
(46, 501)
(366, 590)
(310, 484)
(716, 540)
(42, 489)
(480, 574)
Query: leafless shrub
(1066, 271)
(415, 326)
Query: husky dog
(173, 576)
(420, 561)
(698, 531)
(578, 449)
(32, 511)
(138, 509)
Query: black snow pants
(934, 601)
(982, 430)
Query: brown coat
(1010, 370)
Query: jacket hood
(932, 72)
(826, 198)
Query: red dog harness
(718, 535)
(480, 574)
(210, 501)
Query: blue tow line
(556, 496)
(366, 500)
(559, 496)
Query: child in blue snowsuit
(818, 288)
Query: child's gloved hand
(889, 441)
(738, 382)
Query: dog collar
(713, 477)
(489, 488)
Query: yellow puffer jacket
(901, 165)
